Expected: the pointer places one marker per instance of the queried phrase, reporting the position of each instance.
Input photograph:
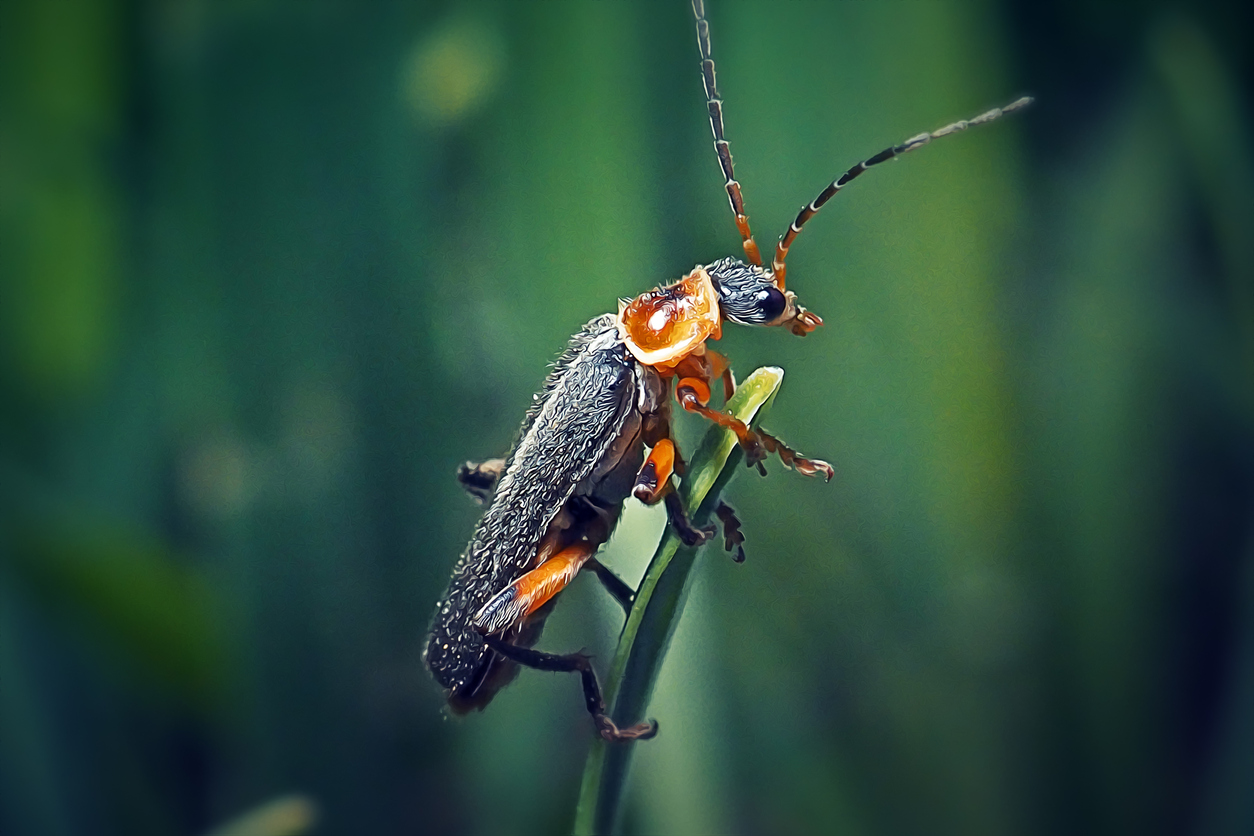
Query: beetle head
(666, 324)
(749, 295)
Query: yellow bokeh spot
(453, 70)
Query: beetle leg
(720, 367)
(591, 688)
(657, 426)
(688, 533)
(792, 459)
(479, 478)
(693, 394)
(618, 589)
(654, 478)
(654, 483)
(530, 592)
(733, 538)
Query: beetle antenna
(811, 209)
(715, 104)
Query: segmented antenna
(811, 209)
(715, 103)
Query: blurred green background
(271, 270)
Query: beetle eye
(771, 303)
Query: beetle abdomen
(580, 413)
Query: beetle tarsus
(791, 458)
(733, 537)
(754, 449)
(611, 732)
(690, 535)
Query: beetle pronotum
(556, 496)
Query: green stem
(659, 601)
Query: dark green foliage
(270, 271)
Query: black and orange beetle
(557, 495)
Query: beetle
(580, 452)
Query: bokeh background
(269, 271)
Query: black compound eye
(771, 304)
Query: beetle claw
(611, 732)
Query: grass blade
(657, 607)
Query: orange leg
(657, 427)
(531, 591)
(655, 475)
(654, 483)
(719, 366)
(729, 384)
(693, 394)
(708, 366)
